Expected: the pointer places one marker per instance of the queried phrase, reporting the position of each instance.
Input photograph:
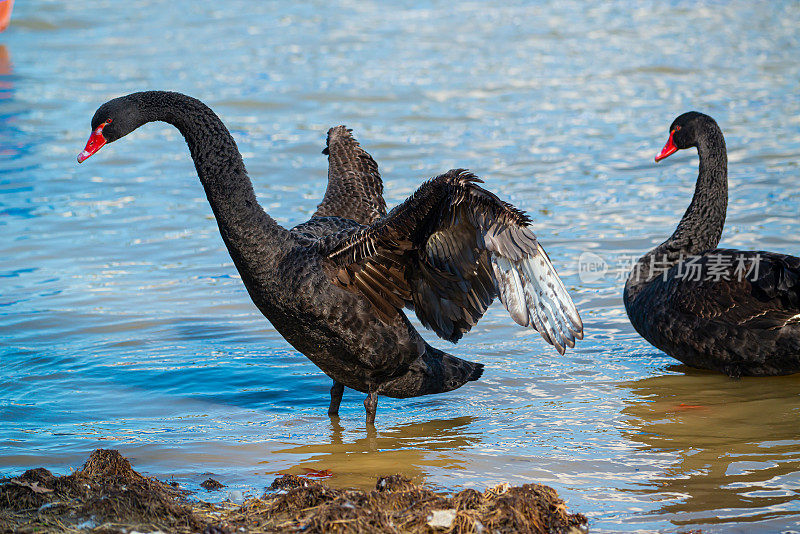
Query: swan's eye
(109, 121)
(677, 128)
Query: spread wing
(448, 251)
(355, 189)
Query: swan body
(733, 311)
(335, 286)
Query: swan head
(114, 119)
(685, 132)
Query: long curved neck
(242, 221)
(701, 227)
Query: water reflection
(5, 63)
(728, 447)
(356, 457)
(123, 323)
(6, 93)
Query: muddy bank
(108, 496)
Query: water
(123, 323)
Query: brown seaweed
(108, 496)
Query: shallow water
(123, 323)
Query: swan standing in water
(734, 311)
(335, 286)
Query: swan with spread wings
(446, 253)
(335, 286)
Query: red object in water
(686, 407)
(5, 13)
(324, 473)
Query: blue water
(123, 323)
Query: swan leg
(371, 406)
(337, 390)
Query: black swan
(335, 286)
(732, 311)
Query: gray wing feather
(447, 252)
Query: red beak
(668, 149)
(95, 143)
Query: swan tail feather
(433, 372)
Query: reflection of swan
(409, 449)
(736, 446)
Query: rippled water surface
(124, 324)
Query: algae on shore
(108, 496)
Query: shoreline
(108, 496)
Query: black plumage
(355, 189)
(733, 311)
(335, 286)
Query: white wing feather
(531, 290)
